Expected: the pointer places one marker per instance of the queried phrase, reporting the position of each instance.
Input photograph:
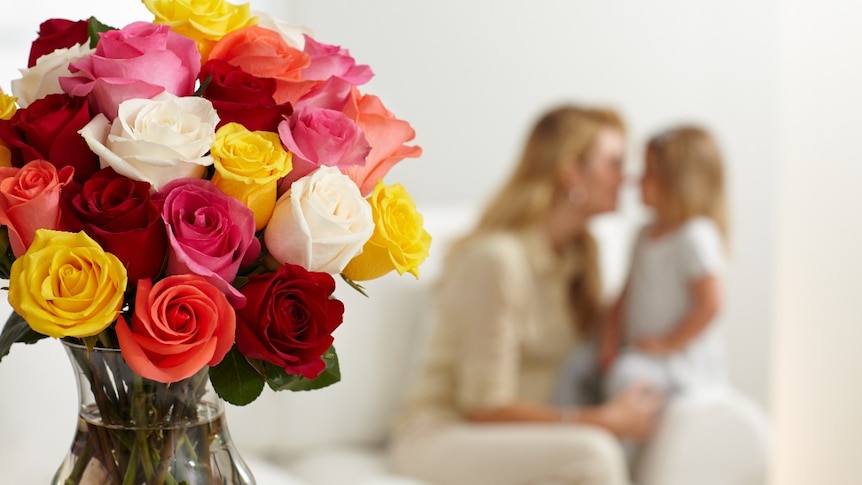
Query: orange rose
(30, 200)
(385, 133)
(264, 53)
(181, 324)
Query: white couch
(336, 436)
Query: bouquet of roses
(185, 189)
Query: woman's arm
(631, 414)
(706, 301)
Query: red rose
(58, 34)
(48, 130)
(120, 215)
(240, 97)
(181, 324)
(289, 319)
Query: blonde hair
(563, 134)
(690, 173)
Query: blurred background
(778, 83)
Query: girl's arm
(706, 301)
(610, 333)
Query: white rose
(43, 78)
(292, 34)
(156, 140)
(321, 223)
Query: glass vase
(133, 430)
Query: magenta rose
(333, 61)
(30, 199)
(239, 97)
(321, 137)
(48, 130)
(289, 319)
(181, 324)
(209, 234)
(58, 34)
(139, 61)
(120, 214)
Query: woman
(516, 295)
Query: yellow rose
(205, 21)
(5, 155)
(399, 242)
(248, 165)
(7, 106)
(66, 285)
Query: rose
(293, 35)
(289, 319)
(248, 165)
(330, 60)
(44, 78)
(204, 21)
(65, 285)
(139, 61)
(240, 97)
(321, 223)
(399, 241)
(7, 110)
(181, 324)
(122, 217)
(30, 200)
(48, 130)
(8, 106)
(58, 34)
(263, 53)
(156, 140)
(386, 135)
(333, 93)
(318, 137)
(209, 234)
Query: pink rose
(30, 200)
(387, 136)
(181, 324)
(321, 137)
(209, 234)
(139, 61)
(333, 61)
(334, 93)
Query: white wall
(472, 76)
(817, 334)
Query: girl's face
(650, 190)
(603, 171)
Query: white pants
(512, 454)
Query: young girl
(665, 321)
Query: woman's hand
(633, 413)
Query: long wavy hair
(563, 134)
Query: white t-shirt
(659, 294)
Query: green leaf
(356, 286)
(17, 330)
(6, 256)
(94, 29)
(235, 380)
(279, 380)
(203, 87)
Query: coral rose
(181, 324)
